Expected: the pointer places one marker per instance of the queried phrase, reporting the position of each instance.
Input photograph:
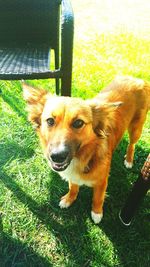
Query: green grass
(34, 231)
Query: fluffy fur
(79, 136)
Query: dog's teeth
(96, 217)
(63, 204)
(128, 164)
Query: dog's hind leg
(134, 130)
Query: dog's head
(64, 124)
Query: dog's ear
(35, 99)
(103, 116)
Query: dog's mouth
(58, 167)
(60, 156)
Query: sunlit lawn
(33, 229)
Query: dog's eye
(50, 121)
(78, 124)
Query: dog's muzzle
(60, 158)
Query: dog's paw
(96, 217)
(64, 204)
(127, 164)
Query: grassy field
(33, 229)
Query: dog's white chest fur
(72, 174)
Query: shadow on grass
(49, 214)
(68, 228)
(12, 150)
(15, 253)
(71, 227)
(14, 100)
(131, 243)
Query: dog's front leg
(98, 200)
(70, 197)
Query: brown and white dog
(79, 136)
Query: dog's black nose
(59, 156)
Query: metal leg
(57, 82)
(140, 188)
(66, 85)
(66, 52)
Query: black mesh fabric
(24, 60)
